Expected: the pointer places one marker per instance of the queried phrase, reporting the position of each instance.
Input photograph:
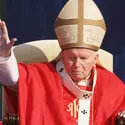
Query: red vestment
(42, 99)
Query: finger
(0, 21)
(14, 39)
(4, 28)
(12, 42)
(119, 114)
(122, 113)
(0, 26)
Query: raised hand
(122, 113)
(5, 43)
(120, 118)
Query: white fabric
(84, 106)
(83, 95)
(9, 70)
(3, 59)
(85, 82)
(84, 112)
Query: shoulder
(36, 65)
(36, 68)
(109, 77)
(102, 71)
(111, 89)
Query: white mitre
(80, 24)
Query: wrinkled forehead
(78, 52)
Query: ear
(62, 55)
(96, 57)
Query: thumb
(12, 42)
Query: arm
(9, 70)
(8, 64)
(118, 115)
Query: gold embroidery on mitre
(80, 24)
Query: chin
(78, 78)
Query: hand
(5, 43)
(120, 118)
(122, 113)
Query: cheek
(88, 65)
(68, 66)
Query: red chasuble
(42, 99)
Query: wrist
(5, 54)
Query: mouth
(77, 72)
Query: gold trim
(79, 45)
(63, 22)
(80, 21)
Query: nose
(77, 62)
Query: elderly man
(74, 91)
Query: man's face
(78, 62)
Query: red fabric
(109, 97)
(41, 99)
(71, 106)
(70, 103)
(11, 99)
(40, 95)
